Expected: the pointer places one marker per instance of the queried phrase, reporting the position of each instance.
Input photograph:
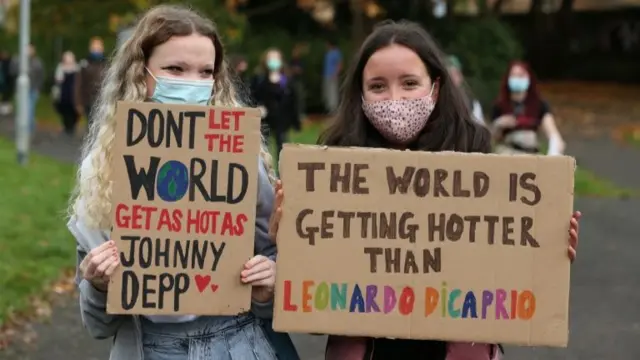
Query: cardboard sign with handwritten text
(417, 245)
(184, 201)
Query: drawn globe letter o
(173, 181)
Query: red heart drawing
(202, 282)
(214, 287)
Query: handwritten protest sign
(417, 245)
(184, 200)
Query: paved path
(605, 316)
(618, 162)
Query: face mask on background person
(274, 64)
(400, 121)
(180, 91)
(518, 84)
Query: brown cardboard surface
(189, 241)
(343, 280)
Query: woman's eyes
(173, 69)
(411, 83)
(376, 87)
(208, 73)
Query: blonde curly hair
(125, 80)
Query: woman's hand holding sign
(99, 264)
(260, 272)
(574, 227)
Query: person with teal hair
(455, 71)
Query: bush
(485, 47)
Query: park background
(586, 52)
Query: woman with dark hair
(399, 95)
(520, 112)
(275, 95)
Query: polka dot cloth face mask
(400, 121)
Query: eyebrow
(184, 64)
(403, 76)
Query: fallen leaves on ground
(591, 107)
(19, 325)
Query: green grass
(633, 138)
(45, 112)
(35, 245)
(586, 182)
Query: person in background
(64, 95)
(275, 95)
(239, 66)
(297, 71)
(331, 76)
(519, 112)
(36, 81)
(454, 66)
(89, 78)
(5, 83)
(6, 106)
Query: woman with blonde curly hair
(173, 56)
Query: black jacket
(280, 101)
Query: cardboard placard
(184, 201)
(417, 245)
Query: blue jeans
(208, 337)
(281, 342)
(34, 95)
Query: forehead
(272, 53)
(393, 61)
(518, 70)
(194, 48)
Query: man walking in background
(89, 78)
(8, 83)
(331, 76)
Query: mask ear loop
(150, 73)
(156, 83)
(435, 89)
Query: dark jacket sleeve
(263, 244)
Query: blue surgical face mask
(96, 55)
(518, 84)
(179, 91)
(274, 64)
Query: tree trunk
(563, 24)
(483, 7)
(497, 7)
(357, 22)
(536, 19)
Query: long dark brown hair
(450, 127)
